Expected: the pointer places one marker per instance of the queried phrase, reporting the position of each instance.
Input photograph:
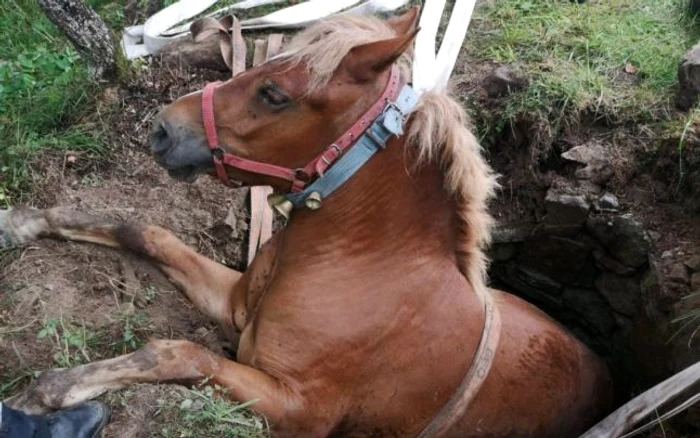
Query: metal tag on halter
(393, 120)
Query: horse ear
(406, 22)
(365, 62)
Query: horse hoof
(18, 227)
(27, 403)
(44, 395)
(5, 241)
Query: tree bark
(88, 33)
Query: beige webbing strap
(261, 214)
(234, 50)
(457, 406)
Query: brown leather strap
(457, 406)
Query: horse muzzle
(183, 153)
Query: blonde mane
(437, 130)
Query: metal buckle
(376, 140)
(333, 146)
(218, 153)
(391, 104)
(300, 175)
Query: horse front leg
(207, 284)
(166, 361)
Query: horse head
(277, 118)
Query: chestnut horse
(360, 318)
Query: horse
(369, 313)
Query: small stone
(598, 173)
(502, 82)
(512, 233)
(202, 331)
(695, 281)
(689, 79)
(586, 153)
(654, 235)
(565, 209)
(595, 155)
(678, 273)
(623, 236)
(658, 298)
(668, 254)
(693, 263)
(608, 202)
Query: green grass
(574, 56)
(204, 413)
(44, 92)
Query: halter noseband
(372, 130)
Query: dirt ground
(103, 302)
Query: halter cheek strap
(389, 123)
(223, 158)
(319, 165)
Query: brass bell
(283, 205)
(313, 201)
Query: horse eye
(273, 97)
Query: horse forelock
(323, 46)
(438, 132)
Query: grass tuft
(205, 413)
(613, 60)
(44, 92)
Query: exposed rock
(533, 285)
(502, 82)
(556, 257)
(693, 263)
(656, 295)
(503, 252)
(596, 158)
(564, 209)
(695, 281)
(623, 236)
(512, 233)
(599, 173)
(678, 273)
(623, 293)
(689, 79)
(608, 203)
(603, 261)
(585, 153)
(593, 310)
(654, 235)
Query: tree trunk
(88, 33)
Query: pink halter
(302, 176)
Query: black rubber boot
(83, 421)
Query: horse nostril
(160, 141)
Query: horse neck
(387, 208)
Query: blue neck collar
(388, 124)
